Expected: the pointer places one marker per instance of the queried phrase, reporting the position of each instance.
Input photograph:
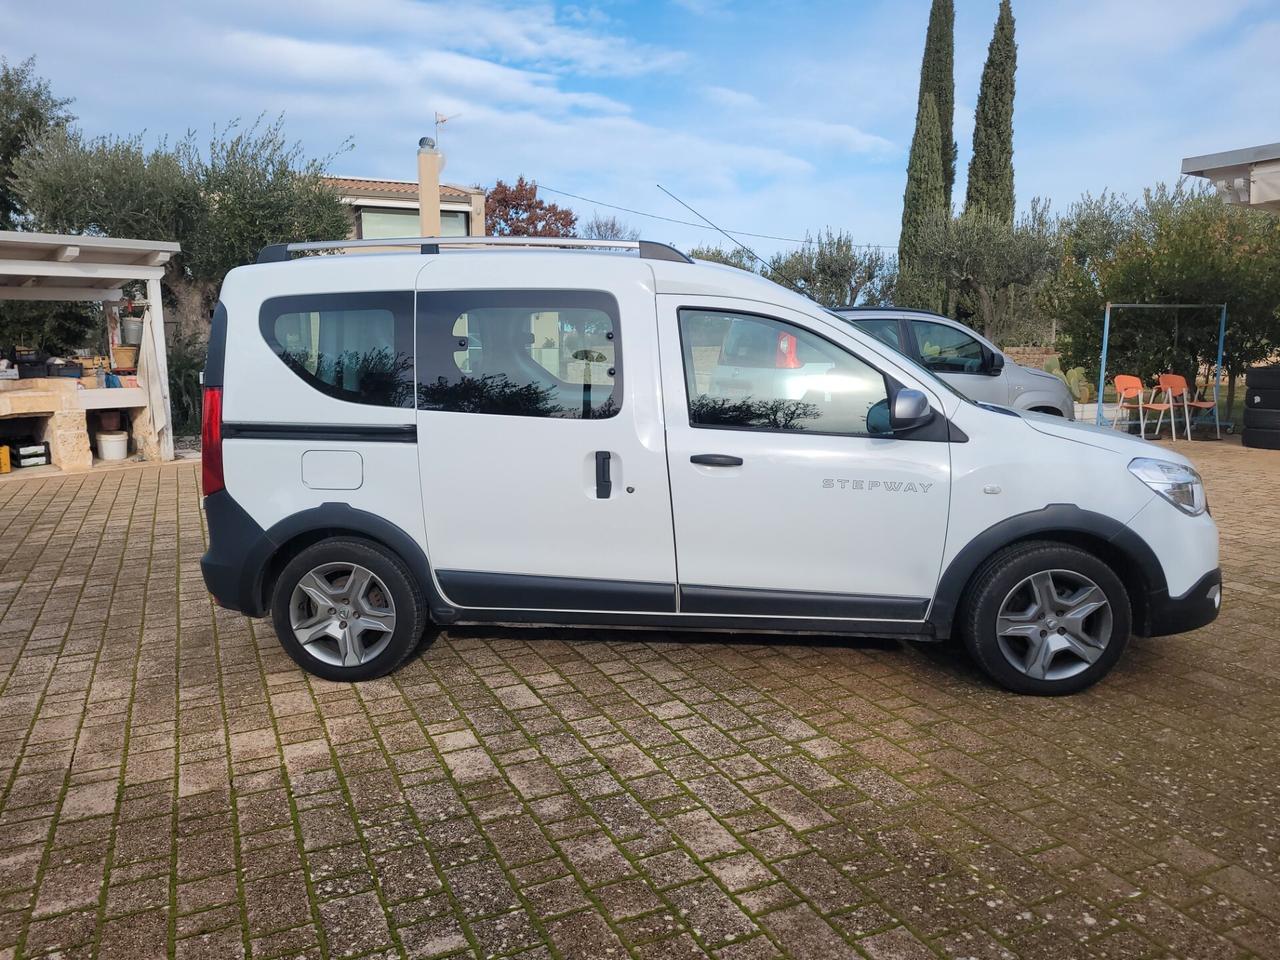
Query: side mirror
(910, 410)
(995, 363)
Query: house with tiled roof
(393, 208)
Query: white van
(369, 469)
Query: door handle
(716, 460)
(604, 483)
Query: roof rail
(886, 308)
(647, 249)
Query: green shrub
(186, 360)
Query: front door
(951, 353)
(543, 476)
(791, 496)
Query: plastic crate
(29, 453)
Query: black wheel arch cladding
(1138, 567)
(243, 559)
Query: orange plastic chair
(1175, 389)
(1129, 396)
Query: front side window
(944, 349)
(524, 353)
(744, 371)
(352, 346)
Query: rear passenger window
(521, 353)
(356, 347)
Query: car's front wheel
(347, 609)
(1046, 618)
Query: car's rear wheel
(1046, 618)
(347, 609)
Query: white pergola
(66, 267)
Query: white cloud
(343, 66)
(526, 33)
(762, 122)
(704, 8)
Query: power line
(690, 223)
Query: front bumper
(1198, 606)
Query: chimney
(430, 160)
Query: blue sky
(773, 118)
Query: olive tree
(1177, 245)
(831, 269)
(996, 266)
(828, 268)
(248, 188)
(28, 110)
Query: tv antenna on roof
(441, 120)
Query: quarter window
(534, 353)
(884, 330)
(943, 348)
(744, 371)
(353, 346)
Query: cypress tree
(937, 76)
(990, 188)
(925, 196)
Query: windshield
(923, 372)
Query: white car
(965, 359)
(646, 440)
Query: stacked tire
(1262, 408)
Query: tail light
(211, 478)
(788, 352)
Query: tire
(1257, 417)
(1259, 399)
(1003, 582)
(1263, 378)
(389, 596)
(1262, 419)
(1261, 439)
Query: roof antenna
(441, 120)
(790, 282)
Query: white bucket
(113, 445)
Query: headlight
(1180, 485)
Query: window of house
(386, 224)
(744, 371)
(353, 346)
(536, 353)
(455, 223)
(943, 348)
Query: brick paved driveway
(173, 785)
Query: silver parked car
(966, 360)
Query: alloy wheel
(342, 614)
(1054, 624)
